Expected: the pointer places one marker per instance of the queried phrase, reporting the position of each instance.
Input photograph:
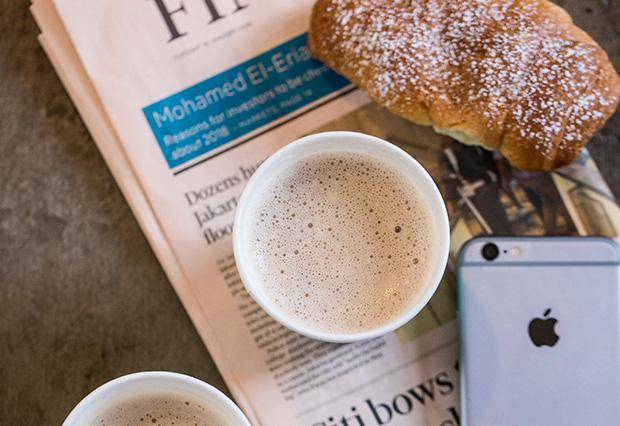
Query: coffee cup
(338, 144)
(101, 403)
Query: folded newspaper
(185, 98)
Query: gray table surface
(82, 297)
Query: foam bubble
(160, 410)
(357, 246)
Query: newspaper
(185, 98)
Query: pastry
(517, 76)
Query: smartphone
(539, 322)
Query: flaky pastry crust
(512, 75)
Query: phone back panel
(506, 378)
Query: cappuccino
(342, 242)
(160, 410)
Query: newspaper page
(186, 98)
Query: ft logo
(215, 9)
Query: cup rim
(441, 236)
(77, 412)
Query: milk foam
(160, 410)
(342, 242)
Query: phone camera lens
(490, 251)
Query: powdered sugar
(514, 66)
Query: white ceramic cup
(149, 383)
(339, 142)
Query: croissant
(512, 75)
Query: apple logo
(542, 330)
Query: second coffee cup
(341, 236)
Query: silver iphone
(539, 326)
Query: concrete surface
(82, 298)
